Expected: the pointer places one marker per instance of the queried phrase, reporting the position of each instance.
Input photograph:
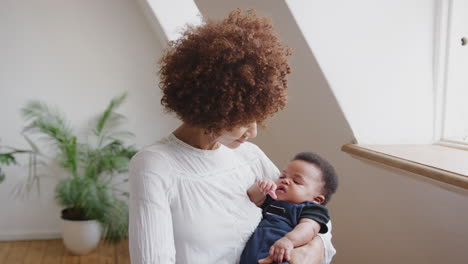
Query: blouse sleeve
(327, 244)
(150, 228)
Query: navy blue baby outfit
(279, 218)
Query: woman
(188, 201)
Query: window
(443, 163)
(454, 71)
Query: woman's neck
(196, 137)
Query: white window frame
(440, 72)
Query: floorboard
(54, 252)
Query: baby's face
(300, 181)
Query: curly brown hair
(225, 73)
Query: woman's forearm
(310, 253)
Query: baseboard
(13, 236)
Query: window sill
(449, 165)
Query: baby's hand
(281, 250)
(267, 186)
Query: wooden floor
(53, 252)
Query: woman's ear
(319, 199)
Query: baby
(293, 208)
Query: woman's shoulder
(152, 158)
(250, 151)
(150, 173)
(258, 158)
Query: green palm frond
(51, 123)
(7, 158)
(2, 175)
(109, 113)
(111, 158)
(47, 121)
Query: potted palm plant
(90, 200)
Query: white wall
(380, 215)
(377, 58)
(172, 16)
(76, 55)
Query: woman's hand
(267, 186)
(311, 253)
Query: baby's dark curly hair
(330, 178)
(225, 73)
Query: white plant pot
(81, 237)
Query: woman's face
(235, 137)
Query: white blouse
(189, 205)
